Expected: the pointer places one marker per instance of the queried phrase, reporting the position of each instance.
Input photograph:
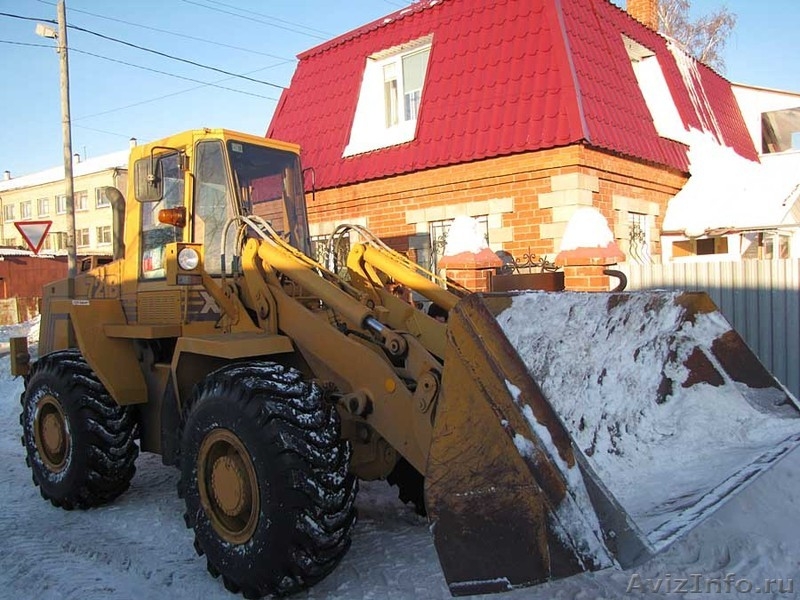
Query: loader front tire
(264, 475)
(79, 442)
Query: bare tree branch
(705, 37)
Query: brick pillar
(469, 269)
(644, 11)
(473, 280)
(583, 267)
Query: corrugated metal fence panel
(761, 299)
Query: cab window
(213, 207)
(155, 235)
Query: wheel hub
(51, 433)
(228, 486)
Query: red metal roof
(504, 76)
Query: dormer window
(390, 97)
(667, 120)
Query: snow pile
(464, 235)
(615, 370)
(29, 329)
(587, 228)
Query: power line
(173, 33)
(122, 62)
(150, 50)
(5, 14)
(227, 12)
(49, 46)
(176, 58)
(150, 100)
(162, 97)
(222, 87)
(252, 12)
(103, 131)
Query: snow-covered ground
(139, 548)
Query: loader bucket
(578, 431)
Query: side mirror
(148, 183)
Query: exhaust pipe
(117, 201)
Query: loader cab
(190, 191)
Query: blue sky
(112, 102)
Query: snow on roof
(118, 160)
(728, 191)
(21, 252)
(761, 88)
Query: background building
(40, 197)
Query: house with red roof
(517, 113)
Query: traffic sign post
(33, 232)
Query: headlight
(188, 259)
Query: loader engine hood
(579, 431)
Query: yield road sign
(33, 232)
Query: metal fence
(761, 299)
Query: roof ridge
(416, 7)
(559, 10)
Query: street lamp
(66, 129)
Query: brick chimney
(644, 11)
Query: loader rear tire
(264, 475)
(79, 442)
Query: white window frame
(61, 204)
(81, 200)
(100, 199)
(372, 129)
(43, 202)
(79, 234)
(103, 235)
(8, 213)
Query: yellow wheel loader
(543, 433)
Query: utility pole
(66, 129)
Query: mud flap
(554, 403)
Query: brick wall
(528, 197)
